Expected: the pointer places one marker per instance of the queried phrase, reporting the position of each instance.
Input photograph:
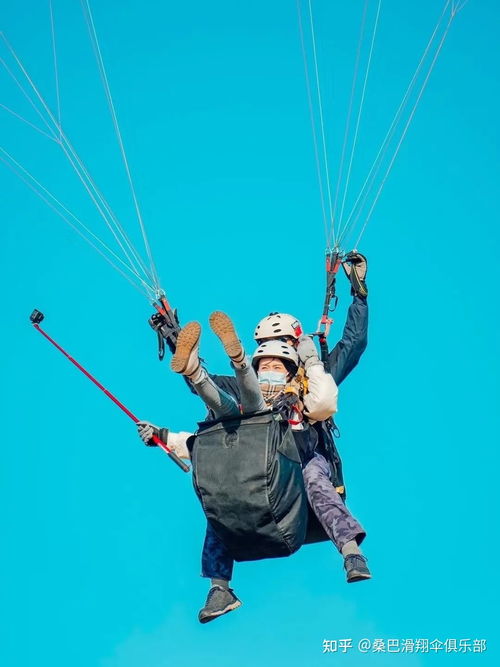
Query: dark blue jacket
(345, 355)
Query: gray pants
(223, 404)
(338, 523)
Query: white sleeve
(177, 441)
(320, 402)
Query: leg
(216, 561)
(217, 564)
(339, 524)
(186, 360)
(220, 402)
(251, 395)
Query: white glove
(308, 354)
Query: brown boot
(186, 359)
(224, 329)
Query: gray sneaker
(219, 601)
(356, 569)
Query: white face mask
(272, 378)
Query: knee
(315, 470)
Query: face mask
(272, 378)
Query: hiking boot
(224, 329)
(355, 566)
(219, 601)
(186, 359)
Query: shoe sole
(358, 576)
(212, 617)
(189, 337)
(224, 329)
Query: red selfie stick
(36, 318)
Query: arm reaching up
(320, 401)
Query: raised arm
(346, 354)
(320, 401)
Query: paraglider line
(377, 163)
(56, 69)
(21, 88)
(107, 89)
(365, 82)
(24, 120)
(313, 122)
(349, 111)
(460, 7)
(421, 92)
(113, 219)
(146, 289)
(320, 107)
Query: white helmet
(277, 325)
(276, 349)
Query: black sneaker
(355, 566)
(219, 601)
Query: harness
(333, 262)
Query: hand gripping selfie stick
(36, 318)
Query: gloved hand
(167, 328)
(176, 441)
(306, 349)
(355, 266)
(147, 430)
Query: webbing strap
(166, 325)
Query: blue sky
(101, 537)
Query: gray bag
(248, 477)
